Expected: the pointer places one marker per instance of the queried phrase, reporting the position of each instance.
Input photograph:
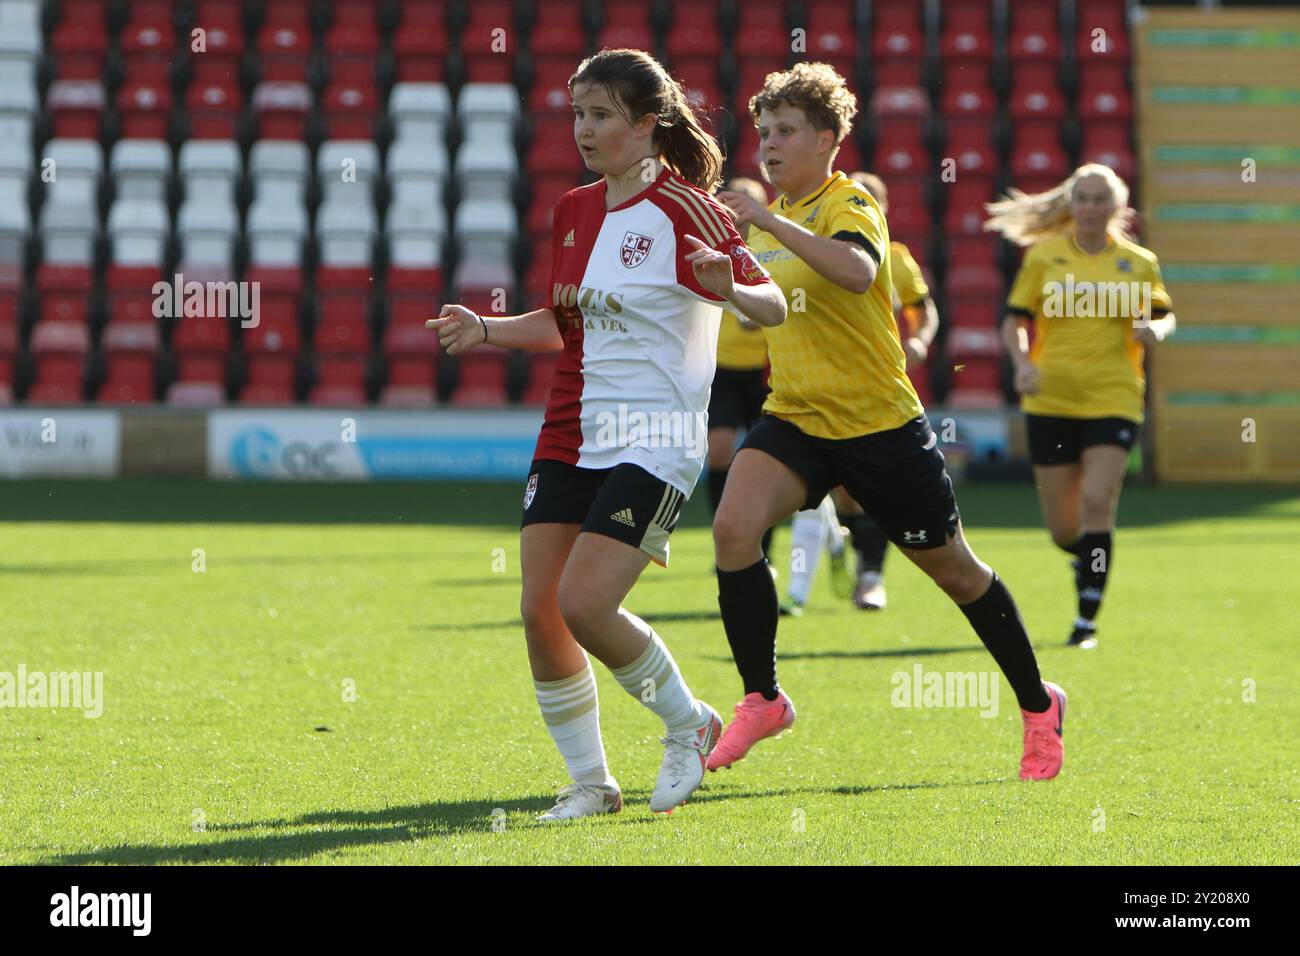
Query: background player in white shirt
(641, 263)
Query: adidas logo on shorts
(624, 517)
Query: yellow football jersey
(838, 370)
(1083, 306)
(740, 348)
(910, 289)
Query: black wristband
(483, 322)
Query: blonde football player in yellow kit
(842, 412)
(1096, 302)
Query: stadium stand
(364, 161)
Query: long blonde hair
(1025, 218)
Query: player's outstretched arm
(460, 329)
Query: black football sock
(717, 480)
(1072, 548)
(1096, 550)
(996, 620)
(749, 607)
(868, 541)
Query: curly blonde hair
(815, 88)
(1025, 218)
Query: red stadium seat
(488, 42)
(626, 26)
(195, 394)
(361, 13)
(1037, 151)
(223, 40)
(750, 73)
(693, 30)
(145, 110)
(973, 251)
(482, 378)
(284, 45)
(130, 293)
(1035, 33)
(130, 351)
(412, 355)
(279, 296)
(201, 344)
(967, 31)
(967, 90)
(282, 110)
(966, 199)
(985, 313)
(970, 280)
(63, 292)
(213, 108)
(271, 357)
(550, 89)
(1101, 31)
(78, 106)
(59, 350)
(558, 31)
(900, 101)
(414, 295)
(761, 30)
(420, 48)
(342, 348)
(899, 148)
(541, 369)
(832, 35)
(352, 50)
(350, 111)
(80, 41)
(1035, 93)
(897, 30)
(553, 149)
(1103, 92)
(1108, 142)
(148, 42)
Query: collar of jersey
(1108, 248)
(817, 193)
(604, 190)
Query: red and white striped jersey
(640, 333)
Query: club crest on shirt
(635, 248)
(1123, 265)
(530, 492)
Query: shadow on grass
(332, 830)
(866, 654)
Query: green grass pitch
(346, 683)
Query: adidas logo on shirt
(624, 517)
(568, 240)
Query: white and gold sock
(572, 715)
(654, 680)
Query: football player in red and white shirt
(641, 263)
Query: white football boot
(583, 800)
(683, 768)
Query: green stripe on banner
(1196, 272)
(1237, 334)
(1226, 212)
(1233, 155)
(1227, 95)
(1231, 398)
(1189, 36)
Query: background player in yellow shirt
(842, 411)
(738, 387)
(1096, 301)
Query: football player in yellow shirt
(842, 412)
(1096, 301)
(738, 392)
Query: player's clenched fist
(458, 329)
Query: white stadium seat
(279, 168)
(210, 168)
(16, 166)
(277, 229)
(77, 166)
(420, 111)
(485, 230)
(207, 227)
(486, 169)
(488, 111)
(138, 229)
(15, 227)
(345, 232)
(356, 158)
(68, 232)
(141, 168)
(415, 234)
(417, 171)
